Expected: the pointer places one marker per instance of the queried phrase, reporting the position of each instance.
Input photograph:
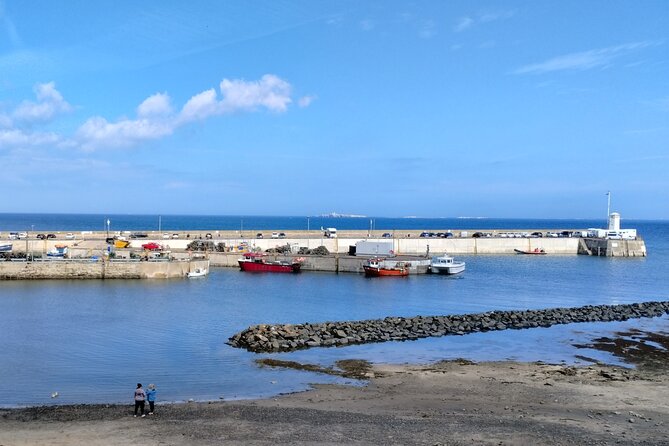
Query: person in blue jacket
(151, 397)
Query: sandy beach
(454, 402)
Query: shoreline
(448, 402)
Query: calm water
(91, 341)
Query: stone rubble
(265, 338)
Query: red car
(151, 246)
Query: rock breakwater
(265, 338)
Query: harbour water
(91, 341)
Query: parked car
(282, 235)
(552, 234)
(275, 235)
(448, 234)
(259, 235)
(208, 235)
(175, 235)
(536, 234)
(152, 246)
(424, 234)
(166, 235)
(48, 236)
(23, 235)
(110, 240)
(386, 235)
(477, 235)
(69, 236)
(41, 236)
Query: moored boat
(380, 267)
(535, 251)
(197, 272)
(256, 262)
(446, 265)
(5, 248)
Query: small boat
(5, 248)
(446, 265)
(535, 251)
(380, 267)
(256, 262)
(197, 272)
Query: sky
(517, 109)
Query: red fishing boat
(257, 262)
(379, 267)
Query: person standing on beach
(151, 397)
(140, 396)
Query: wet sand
(455, 402)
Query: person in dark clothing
(140, 396)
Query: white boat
(197, 272)
(5, 248)
(446, 265)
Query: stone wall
(274, 338)
(88, 269)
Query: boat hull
(266, 267)
(5, 248)
(385, 272)
(449, 270)
(536, 253)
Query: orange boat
(376, 267)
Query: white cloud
(157, 105)
(584, 60)
(428, 30)
(156, 117)
(270, 92)
(97, 132)
(200, 106)
(467, 22)
(49, 103)
(16, 137)
(367, 25)
(463, 23)
(305, 101)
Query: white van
(330, 232)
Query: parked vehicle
(69, 236)
(275, 235)
(386, 235)
(208, 236)
(282, 235)
(48, 236)
(330, 232)
(259, 235)
(41, 236)
(152, 246)
(536, 234)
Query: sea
(67, 342)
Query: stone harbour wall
(266, 338)
(88, 269)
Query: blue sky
(386, 108)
